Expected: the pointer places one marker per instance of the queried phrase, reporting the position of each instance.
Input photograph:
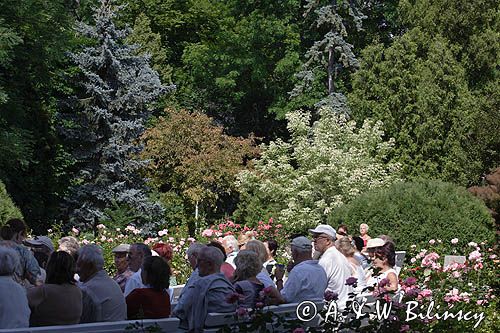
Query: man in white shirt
(334, 263)
(187, 292)
(230, 244)
(307, 280)
(135, 257)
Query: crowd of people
(43, 286)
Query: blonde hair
(364, 225)
(344, 245)
(245, 237)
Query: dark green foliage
(8, 209)
(244, 66)
(35, 35)
(412, 212)
(420, 92)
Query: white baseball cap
(324, 229)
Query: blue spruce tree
(119, 89)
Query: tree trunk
(331, 69)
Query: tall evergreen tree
(334, 20)
(120, 89)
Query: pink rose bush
(263, 230)
(457, 286)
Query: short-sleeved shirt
(306, 281)
(134, 282)
(264, 277)
(337, 270)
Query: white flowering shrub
(324, 165)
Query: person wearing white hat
(307, 279)
(383, 258)
(336, 266)
(42, 247)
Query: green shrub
(411, 212)
(8, 209)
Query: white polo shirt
(338, 270)
(306, 281)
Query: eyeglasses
(318, 237)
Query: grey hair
(247, 264)
(230, 240)
(91, 254)
(258, 247)
(213, 255)
(69, 244)
(195, 249)
(9, 260)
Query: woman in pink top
(363, 230)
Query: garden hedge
(411, 212)
(8, 209)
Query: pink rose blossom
(475, 256)
(163, 232)
(452, 296)
(432, 241)
(454, 241)
(425, 293)
(75, 231)
(430, 259)
(207, 233)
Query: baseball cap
(41, 241)
(324, 229)
(302, 243)
(121, 248)
(375, 242)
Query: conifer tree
(119, 91)
(336, 18)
